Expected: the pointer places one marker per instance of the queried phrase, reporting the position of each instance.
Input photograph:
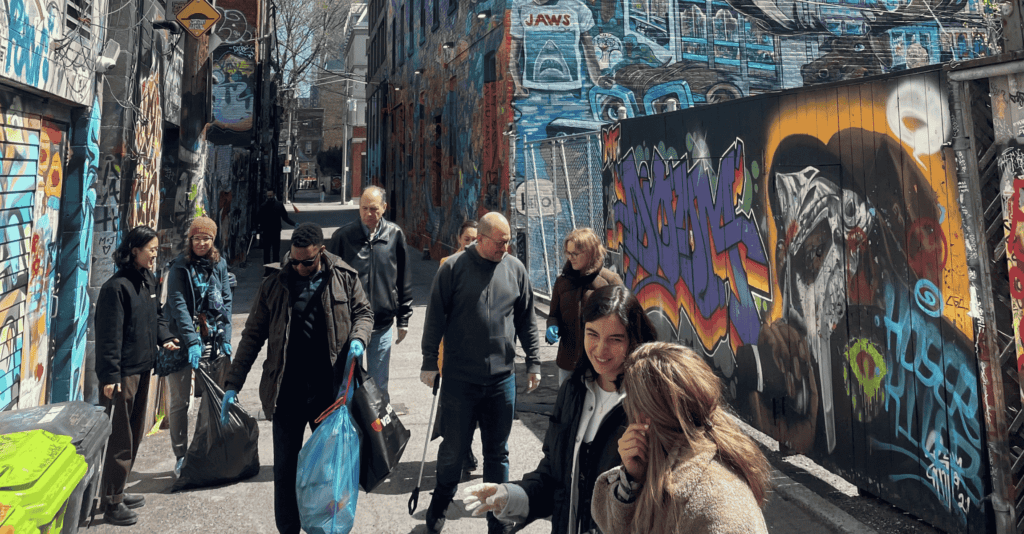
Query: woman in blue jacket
(199, 309)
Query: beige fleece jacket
(713, 499)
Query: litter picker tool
(414, 500)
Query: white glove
(486, 497)
(402, 332)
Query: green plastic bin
(39, 471)
(14, 521)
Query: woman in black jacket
(129, 326)
(582, 437)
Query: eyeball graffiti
(907, 112)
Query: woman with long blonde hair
(686, 465)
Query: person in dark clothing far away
(316, 304)
(129, 328)
(268, 220)
(480, 300)
(376, 248)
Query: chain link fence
(558, 189)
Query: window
(309, 147)
(435, 21)
(423, 21)
(393, 43)
(435, 164)
(453, 6)
(401, 38)
(490, 68)
(76, 18)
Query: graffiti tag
(689, 245)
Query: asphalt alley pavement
(248, 506)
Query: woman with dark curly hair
(129, 328)
(582, 438)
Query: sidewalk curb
(816, 506)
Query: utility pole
(292, 162)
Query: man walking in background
(480, 301)
(268, 220)
(376, 248)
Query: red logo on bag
(377, 426)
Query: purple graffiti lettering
(682, 232)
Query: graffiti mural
(38, 48)
(810, 246)
(75, 258)
(576, 65)
(31, 181)
(233, 88)
(145, 195)
(42, 263)
(234, 72)
(1011, 169)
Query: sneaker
(177, 466)
(119, 514)
(133, 501)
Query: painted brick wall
(568, 66)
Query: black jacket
(129, 325)
(270, 215)
(383, 267)
(346, 314)
(549, 486)
(479, 307)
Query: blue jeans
(378, 358)
(465, 405)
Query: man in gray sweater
(480, 301)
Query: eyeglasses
(305, 263)
(501, 244)
(573, 255)
(198, 239)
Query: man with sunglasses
(376, 248)
(480, 301)
(316, 304)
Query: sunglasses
(304, 263)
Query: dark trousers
(128, 428)
(465, 405)
(289, 425)
(271, 242)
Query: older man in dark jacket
(317, 305)
(376, 248)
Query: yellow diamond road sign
(198, 16)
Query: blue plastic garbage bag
(327, 484)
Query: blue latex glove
(356, 349)
(225, 348)
(230, 397)
(552, 335)
(195, 352)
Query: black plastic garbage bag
(219, 453)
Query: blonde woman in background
(583, 273)
(686, 466)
